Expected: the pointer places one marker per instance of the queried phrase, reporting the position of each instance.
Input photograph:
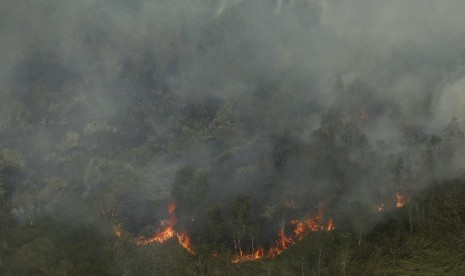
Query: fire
(160, 237)
(185, 241)
(171, 209)
(168, 232)
(117, 230)
(243, 257)
(400, 200)
(330, 225)
(301, 227)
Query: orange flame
(169, 232)
(301, 227)
(330, 225)
(400, 200)
(117, 230)
(284, 241)
(242, 257)
(185, 241)
(160, 237)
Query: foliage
(241, 147)
(190, 187)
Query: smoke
(285, 101)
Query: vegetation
(215, 125)
(434, 247)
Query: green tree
(216, 224)
(360, 218)
(413, 135)
(454, 139)
(397, 172)
(190, 187)
(330, 124)
(242, 225)
(431, 152)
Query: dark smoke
(292, 104)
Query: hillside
(202, 137)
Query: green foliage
(53, 188)
(165, 259)
(2, 193)
(96, 128)
(243, 227)
(53, 249)
(454, 139)
(2, 184)
(14, 116)
(190, 187)
(430, 155)
(216, 224)
(70, 141)
(331, 122)
(13, 160)
(75, 158)
(397, 171)
(435, 248)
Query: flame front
(244, 257)
(169, 232)
(185, 241)
(160, 237)
(301, 227)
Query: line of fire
(300, 228)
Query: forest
(230, 137)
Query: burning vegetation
(168, 232)
(123, 107)
(301, 227)
(401, 198)
(284, 241)
(117, 231)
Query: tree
(242, 225)
(240, 219)
(431, 152)
(216, 223)
(330, 124)
(453, 139)
(397, 171)
(414, 136)
(382, 148)
(359, 219)
(190, 187)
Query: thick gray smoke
(297, 101)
